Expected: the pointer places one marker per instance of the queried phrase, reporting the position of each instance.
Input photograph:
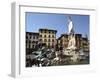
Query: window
(45, 40)
(44, 35)
(49, 40)
(33, 46)
(49, 36)
(36, 37)
(36, 42)
(52, 40)
(61, 40)
(53, 36)
(33, 37)
(30, 37)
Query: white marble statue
(70, 25)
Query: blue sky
(58, 22)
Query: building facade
(48, 37)
(80, 42)
(31, 41)
(63, 41)
(44, 36)
(85, 45)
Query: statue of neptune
(71, 33)
(70, 26)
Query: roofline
(47, 29)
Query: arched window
(52, 40)
(44, 35)
(48, 40)
(49, 36)
(53, 36)
(45, 40)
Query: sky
(35, 21)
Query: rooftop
(32, 33)
(45, 29)
(65, 35)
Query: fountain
(71, 49)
